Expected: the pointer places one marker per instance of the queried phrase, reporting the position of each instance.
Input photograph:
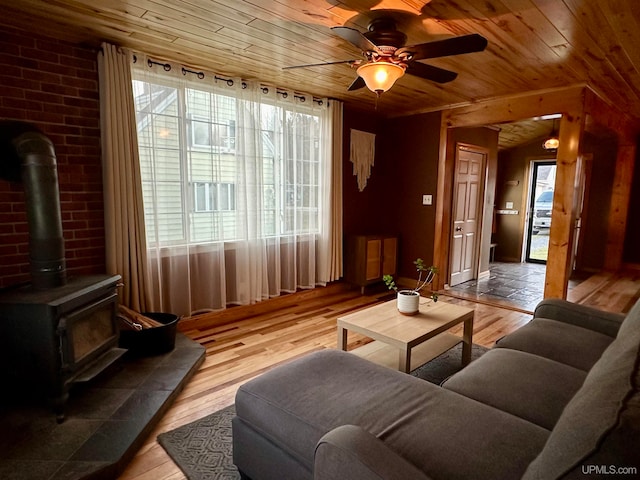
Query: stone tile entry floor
(520, 285)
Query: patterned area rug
(202, 449)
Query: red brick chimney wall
(54, 85)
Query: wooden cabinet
(369, 257)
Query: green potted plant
(409, 299)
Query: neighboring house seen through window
(200, 185)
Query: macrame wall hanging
(363, 146)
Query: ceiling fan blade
(355, 37)
(357, 84)
(350, 62)
(429, 72)
(444, 48)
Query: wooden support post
(443, 211)
(564, 206)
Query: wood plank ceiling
(533, 44)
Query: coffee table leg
(342, 338)
(467, 341)
(405, 360)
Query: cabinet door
(373, 256)
(389, 255)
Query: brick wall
(53, 85)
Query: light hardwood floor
(243, 342)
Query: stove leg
(58, 403)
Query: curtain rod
(201, 75)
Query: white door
(467, 208)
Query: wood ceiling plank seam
(495, 34)
(258, 38)
(310, 14)
(581, 43)
(162, 22)
(295, 31)
(338, 16)
(269, 35)
(595, 19)
(594, 78)
(530, 48)
(624, 25)
(204, 8)
(59, 15)
(179, 17)
(98, 21)
(87, 6)
(499, 45)
(537, 23)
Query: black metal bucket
(152, 341)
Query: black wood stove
(55, 331)
(59, 336)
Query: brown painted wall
(409, 163)
(363, 212)
(53, 85)
(631, 250)
(596, 222)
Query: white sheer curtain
(237, 184)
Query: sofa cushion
(294, 405)
(526, 385)
(562, 342)
(600, 427)
(580, 315)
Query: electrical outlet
(427, 199)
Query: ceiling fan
(386, 58)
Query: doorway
(540, 207)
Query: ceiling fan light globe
(380, 76)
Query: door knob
(458, 229)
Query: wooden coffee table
(405, 342)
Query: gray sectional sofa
(558, 398)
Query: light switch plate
(509, 205)
(427, 199)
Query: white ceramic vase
(408, 302)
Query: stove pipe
(30, 158)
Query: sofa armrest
(350, 452)
(580, 315)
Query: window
(211, 197)
(200, 185)
(217, 136)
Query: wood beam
(443, 209)
(565, 206)
(516, 107)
